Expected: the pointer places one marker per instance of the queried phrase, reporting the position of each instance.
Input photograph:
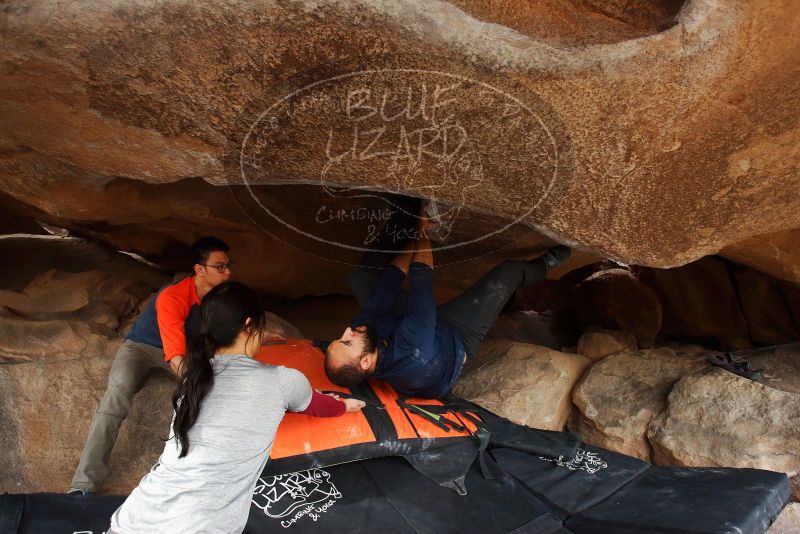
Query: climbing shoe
(737, 367)
(556, 255)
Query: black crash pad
(528, 491)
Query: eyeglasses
(220, 267)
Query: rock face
(526, 327)
(47, 405)
(65, 304)
(527, 384)
(775, 254)
(780, 364)
(788, 522)
(279, 326)
(615, 298)
(730, 303)
(619, 396)
(719, 419)
(764, 305)
(670, 407)
(587, 22)
(66, 298)
(639, 133)
(699, 300)
(597, 345)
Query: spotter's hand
(353, 405)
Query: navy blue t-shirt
(423, 353)
(145, 329)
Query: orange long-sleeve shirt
(173, 306)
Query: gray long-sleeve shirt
(209, 490)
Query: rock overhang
(670, 146)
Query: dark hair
(351, 374)
(348, 375)
(224, 310)
(205, 246)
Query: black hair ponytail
(225, 310)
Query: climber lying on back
(421, 350)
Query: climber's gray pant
(133, 362)
(475, 310)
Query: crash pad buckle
(458, 485)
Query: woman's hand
(353, 405)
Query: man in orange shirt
(156, 341)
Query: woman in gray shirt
(227, 410)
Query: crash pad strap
(380, 422)
(544, 524)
